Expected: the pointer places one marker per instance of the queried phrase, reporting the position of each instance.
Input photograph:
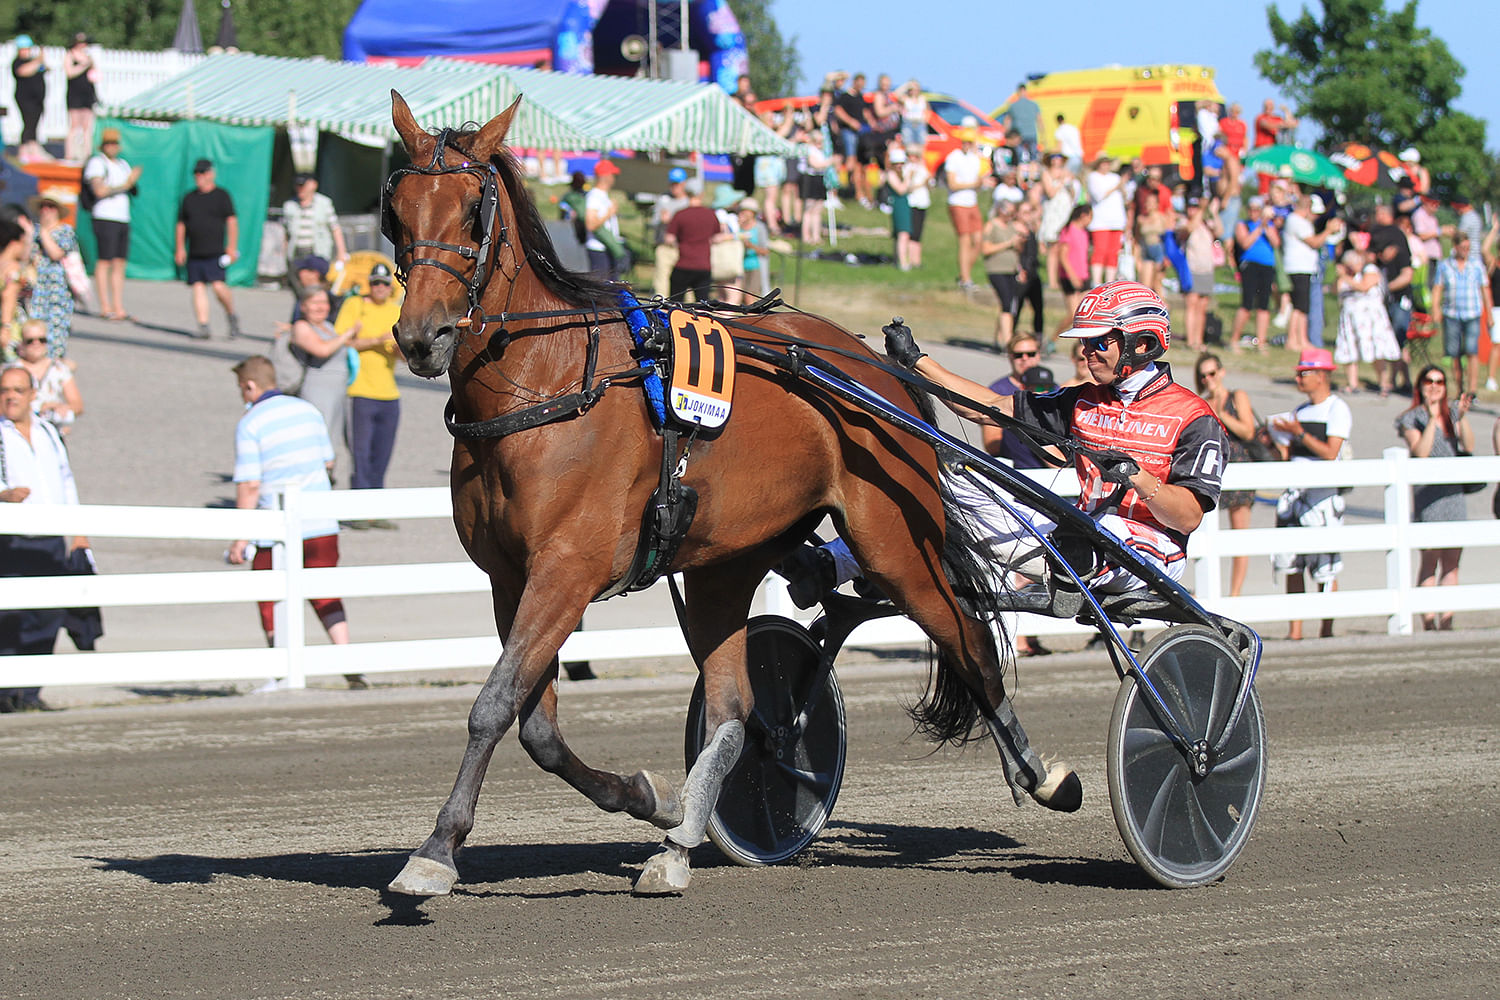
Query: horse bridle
(489, 207)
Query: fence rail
(123, 73)
(1392, 594)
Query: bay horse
(553, 512)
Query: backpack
(86, 197)
(289, 361)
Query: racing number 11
(695, 338)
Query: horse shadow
(966, 849)
(486, 870)
(513, 870)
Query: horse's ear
(418, 143)
(490, 138)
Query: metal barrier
(1393, 596)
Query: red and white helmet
(1132, 309)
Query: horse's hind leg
(645, 795)
(914, 576)
(718, 607)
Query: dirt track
(234, 848)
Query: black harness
(483, 255)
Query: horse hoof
(666, 874)
(424, 877)
(668, 803)
(1062, 791)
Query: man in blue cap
(667, 205)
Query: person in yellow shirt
(374, 401)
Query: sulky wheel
(1185, 830)
(782, 790)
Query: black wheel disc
(781, 792)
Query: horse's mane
(573, 287)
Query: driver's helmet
(1135, 311)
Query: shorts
(813, 187)
(113, 239)
(966, 219)
(1155, 253)
(1008, 290)
(1495, 325)
(1460, 336)
(316, 553)
(1104, 247)
(1203, 283)
(1320, 508)
(918, 220)
(770, 171)
(914, 134)
(204, 270)
(1255, 286)
(848, 142)
(1301, 292)
(1066, 284)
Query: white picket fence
(123, 73)
(1393, 595)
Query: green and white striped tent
(350, 99)
(647, 115)
(560, 111)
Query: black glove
(900, 345)
(1115, 466)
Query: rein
(475, 322)
(790, 361)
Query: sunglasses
(1209, 373)
(1434, 381)
(33, 340)
(1097, 345)
(1023, 354)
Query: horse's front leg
(718, 606)
(543, 618)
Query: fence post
(295, 626)
(1208, 566)
(1398, 561)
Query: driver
(1164, 448)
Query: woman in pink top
(1072, 249)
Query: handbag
(726, 259)
(1463, 452)
(289, 361)
(1259, 447)
(79, 281)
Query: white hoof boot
(1060, 790)
(668, 803)
(424, 877)
(666, 873)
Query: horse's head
(447, 216)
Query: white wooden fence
(123, 73)
(1393, 595)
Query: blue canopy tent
(570, 36)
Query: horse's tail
(949, 710)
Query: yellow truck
(1125, 111)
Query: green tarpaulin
(166, 154)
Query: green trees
(268, 27)
(1368, 75)
(775, 65)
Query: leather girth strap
(665, 524)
